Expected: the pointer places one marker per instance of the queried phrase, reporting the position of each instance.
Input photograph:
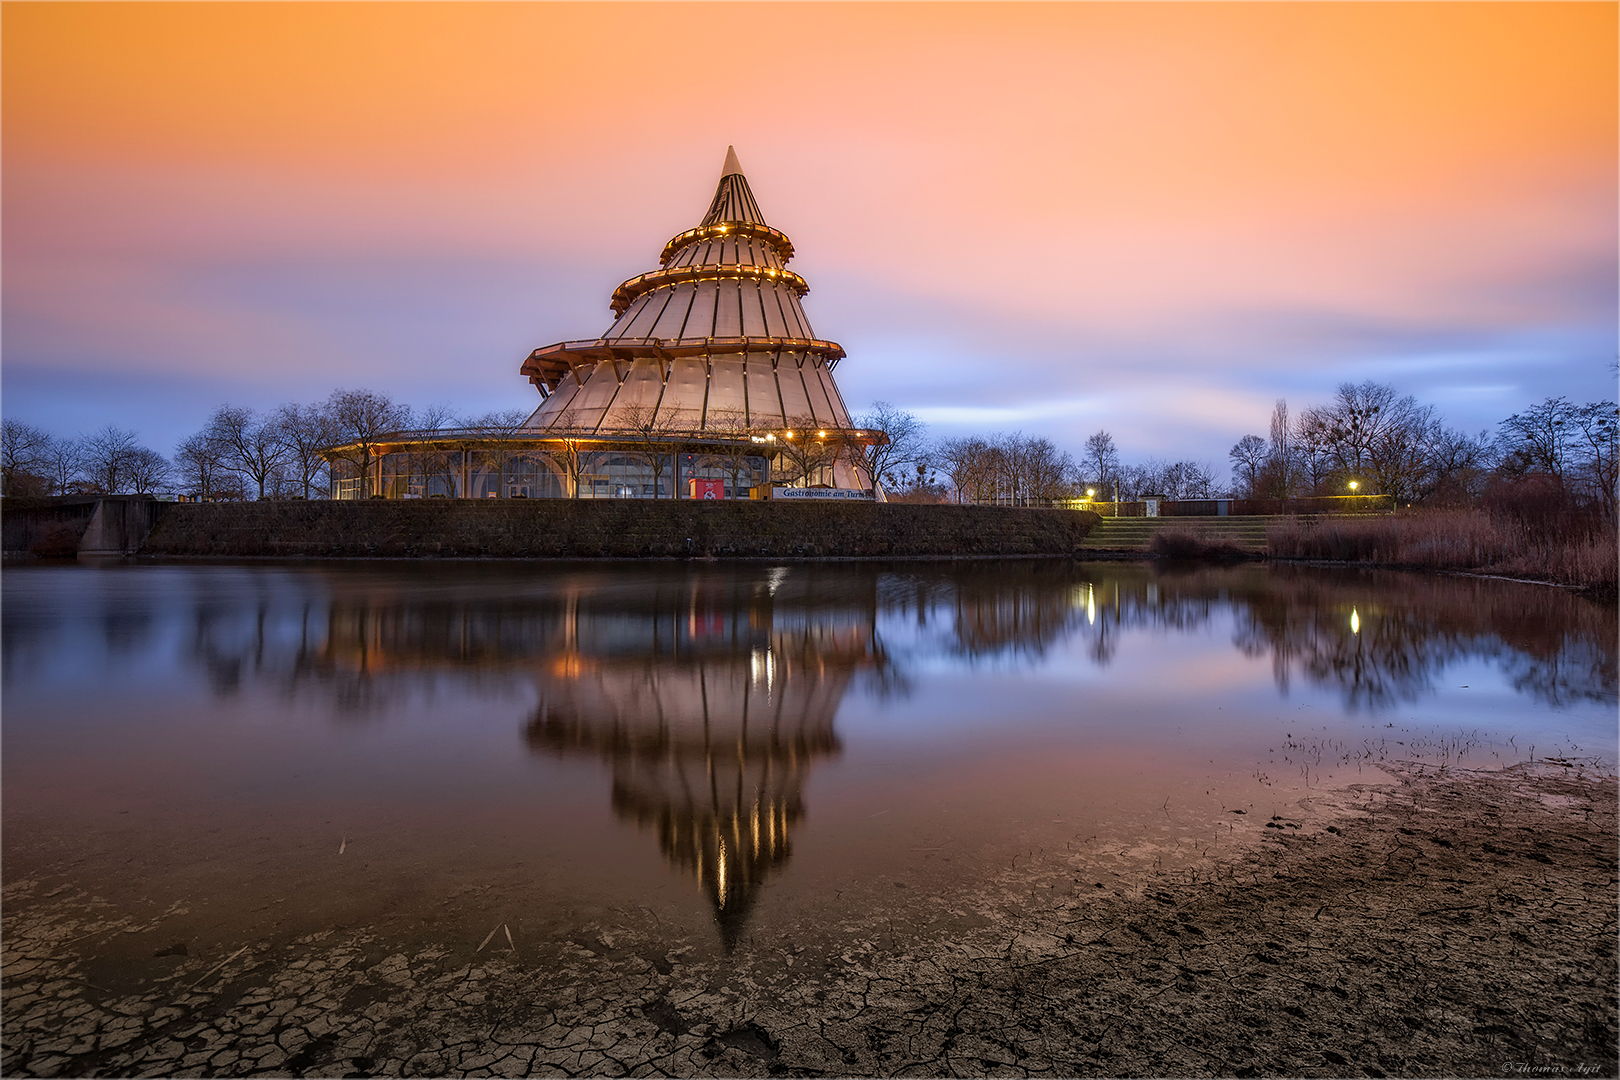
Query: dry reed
(1583, 555)
(1187, 543)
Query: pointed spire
(732, 199)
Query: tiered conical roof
(712, 340)
(726, 278)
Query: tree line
(1367, 433)
(1389, 444)
(1017, 469)
(109, 461)
(240, 453)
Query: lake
(502, 756)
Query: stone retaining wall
(555, 528)
(62, 527)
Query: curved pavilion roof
(714, 339)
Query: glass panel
(764, 403)
(728, 315)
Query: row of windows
(540, 476)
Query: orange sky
(1134, 210)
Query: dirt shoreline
(1433, 924)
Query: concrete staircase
(1135, 533)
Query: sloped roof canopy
(722, 304)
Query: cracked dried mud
(1428, 924)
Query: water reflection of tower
(710, 708)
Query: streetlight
(1354, 484)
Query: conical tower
(713, 344)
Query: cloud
(1050, 218)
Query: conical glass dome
(712, 343)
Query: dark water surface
(433, 751)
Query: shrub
(60, 541)
(1190, 544)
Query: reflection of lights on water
(762, 665)
(774, 578)
(1091, 606)
(1355, 622)
(720, 872)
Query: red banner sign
(708, 489)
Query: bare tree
(1401, 454)
(24, 459)
(147, 470)
(904, 440)
(1353, 422)
(453, 446)
(968, 463)
(1033, 469)
(738, 451)
(1458, 467)
(305, 430)
(201, 469)
(424, 459)
(1598, 425)
(500, 426)
(1313, 445)
(1539, 438)
(1196, 480)
(570, 453)
(922, 484)
(252, 445)
(1101, 461)
(999, 471)
(1280, 477)
(360, 419)
(803, 450)
(64, 464)
(1248, 459)
(1169, 479)
(107, 459)
(654, 437)
(1574, 443)
(1368, 431)
(1016, 469)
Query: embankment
(545, 528)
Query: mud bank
(1456, 924)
